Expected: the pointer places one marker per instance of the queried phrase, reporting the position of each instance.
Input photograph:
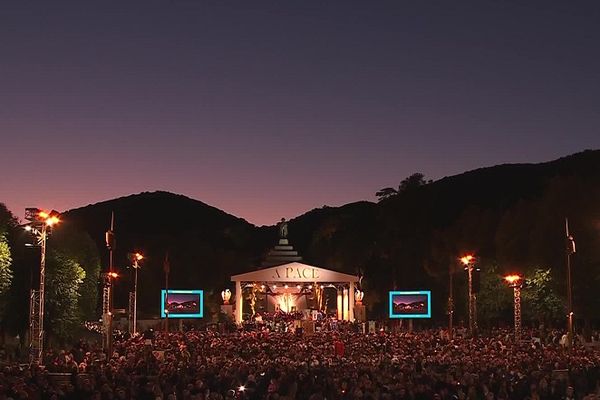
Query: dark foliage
(510, 216)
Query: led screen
(182, 303)
(410, 304)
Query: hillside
(406, 241)
(203, 242)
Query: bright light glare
(43, 214)
(467, 259)
(512, 278)
(242, 388)
(28, 228)
(113, 274)
(138, 256)
(52, 221)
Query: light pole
(468, 261)
(516, 282)
(570, 251)
(107, 290)
(450, 302)
(136, 258)
(41, 221)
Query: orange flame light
(359, 296)
(52, 221)
(226, 296)
(513, 279)
(466, 260)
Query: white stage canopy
(296, 272)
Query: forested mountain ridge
(510, 216)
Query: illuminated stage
(294, 287)
(286, 284)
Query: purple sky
(181, 298)
(267, 109)
(407, 299)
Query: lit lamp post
(359, 296)
(450, 303)
(226, 307)
(516, 282)
(226, 296)
(135, 258)
(468, 261)
(359, 307)
(41, 221)
(571, 249)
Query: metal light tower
(41, 221)
(468, 261)
(450, 302)
(516, 283)
(107, 292)
(135, 258)
(570, 242)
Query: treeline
(510, 217)
(413, 239)
(72, 276)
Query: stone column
(351, 301)
(340, 313)
(345, 301)
(238, 302)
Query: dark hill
(407, 241)
(203, 242)
(501, 186)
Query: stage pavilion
(284, 283)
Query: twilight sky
(271, 108)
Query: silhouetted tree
(64, 279)
(414, 181)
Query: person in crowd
(259, 364)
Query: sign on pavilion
(288, 285)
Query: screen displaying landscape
(182, 304)
(410, 304)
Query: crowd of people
(341, 364)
